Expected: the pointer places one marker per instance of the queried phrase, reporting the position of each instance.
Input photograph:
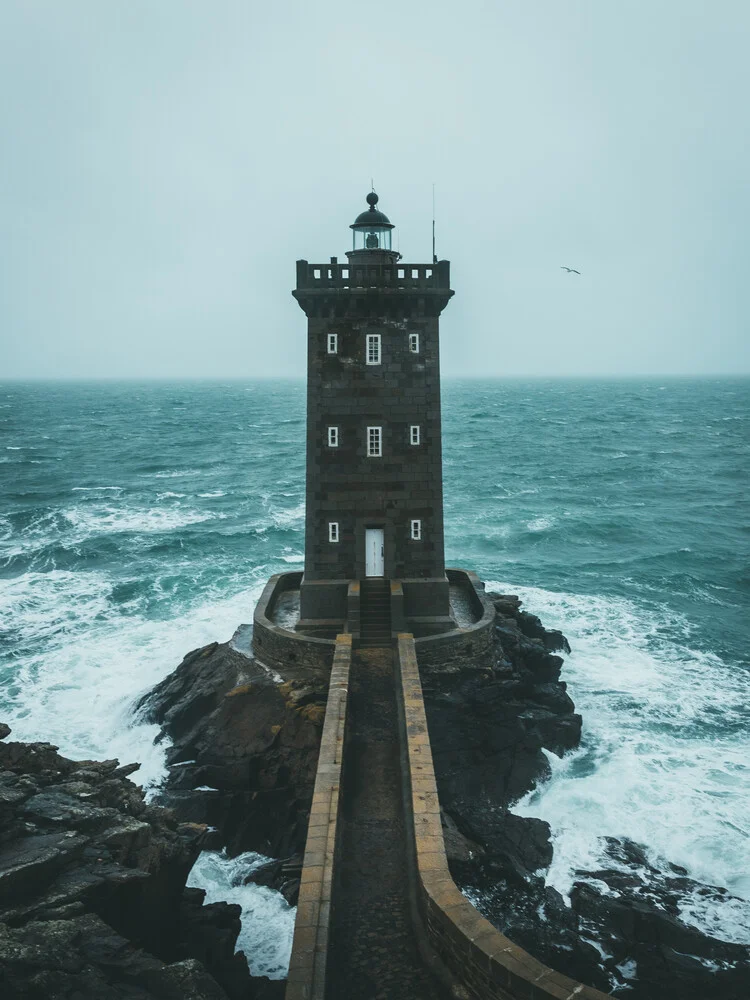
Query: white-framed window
(333, 343)
(414, 434)
(374, 442)
(333, 437)
(333, 531)
(373, 349)
(414, 343)
(416, 530)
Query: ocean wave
(88, 522)
(83, 666)
(665, 753)
(45, 537)
(540, 524)
(175, 474)
(288, 518)
(267, 918)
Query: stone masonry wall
(346, 486)
(280, 648)
(307, 967)
(487, 962)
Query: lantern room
(371, 229)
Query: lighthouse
(374, 480)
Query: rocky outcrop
(92, 889)
(244, 748)
(621, 930)
(489, 723)
(243, 760)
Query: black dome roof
(372, 217)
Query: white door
(374, 552)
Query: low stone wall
(280, 648)
(461, 647)
(482, 958)
(307, 967)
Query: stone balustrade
(396, 275)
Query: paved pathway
(373, 951)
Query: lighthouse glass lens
(376, 238)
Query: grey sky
(165, 162)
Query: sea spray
(267, 918)
(665, 755)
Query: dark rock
(253, 739)
(532, 627)
(554, 697)
(92, 890)
(458, 846)
(269, 874)
(283, 875)
(486, 733)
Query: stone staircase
(375, 612)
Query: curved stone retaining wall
(487, 962)
(461, 646)
(307, 966)
(280, 648)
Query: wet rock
(244, 759)
(283, 875)
(532, 628)
(92, 889)
(245, 748)
(634, 912)
(622, 930)
(489, 728)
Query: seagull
(570, 270)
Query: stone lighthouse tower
(374, 510)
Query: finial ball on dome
(372, 199)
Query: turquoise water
(138, 521)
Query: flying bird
(570, 270)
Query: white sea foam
(540, 524)
(87, 664)
(665, 759)
(175, 474)
(267, 918)
(288, 518)
(294, 558)
(210, 496)
(94, 518)
(90, 521)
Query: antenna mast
(434, 255)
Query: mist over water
(139, 521)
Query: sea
(140, 520)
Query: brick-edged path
(373, 954)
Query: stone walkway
(373, 952)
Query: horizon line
(41, 379)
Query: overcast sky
(163, 163)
